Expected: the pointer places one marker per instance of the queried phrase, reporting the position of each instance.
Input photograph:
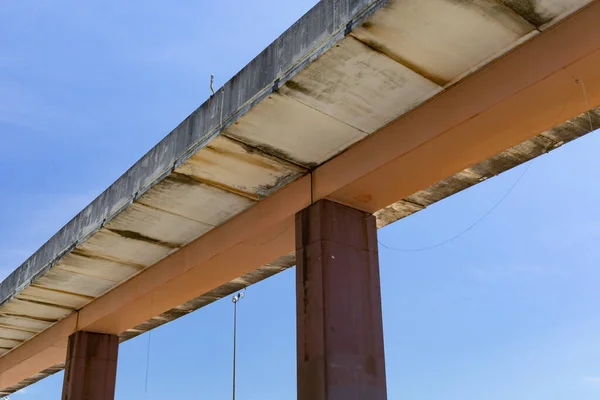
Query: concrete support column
(91, 368)
(339, 320)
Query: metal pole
(235, 300)
(234, 342)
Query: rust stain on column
(91, 368)
(340, 329)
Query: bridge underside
(360, 103)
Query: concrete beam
(526, 92)
(534, 88)
(312, 35)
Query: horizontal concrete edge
(317, 31)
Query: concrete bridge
(362, 113)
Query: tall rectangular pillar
(91, 367)
(339, 319)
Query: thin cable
(148, 361)
(587, 105)
(470, 226)
(577, 81)
(277, 235)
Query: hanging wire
(235, 300)
(491, 210)
(587, 105)
(589, 115)
(277, 235)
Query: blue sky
(506, 311)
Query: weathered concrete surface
(338, 75)
(313, 34)
(551, 140)
(543, 13)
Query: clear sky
(507, 311)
